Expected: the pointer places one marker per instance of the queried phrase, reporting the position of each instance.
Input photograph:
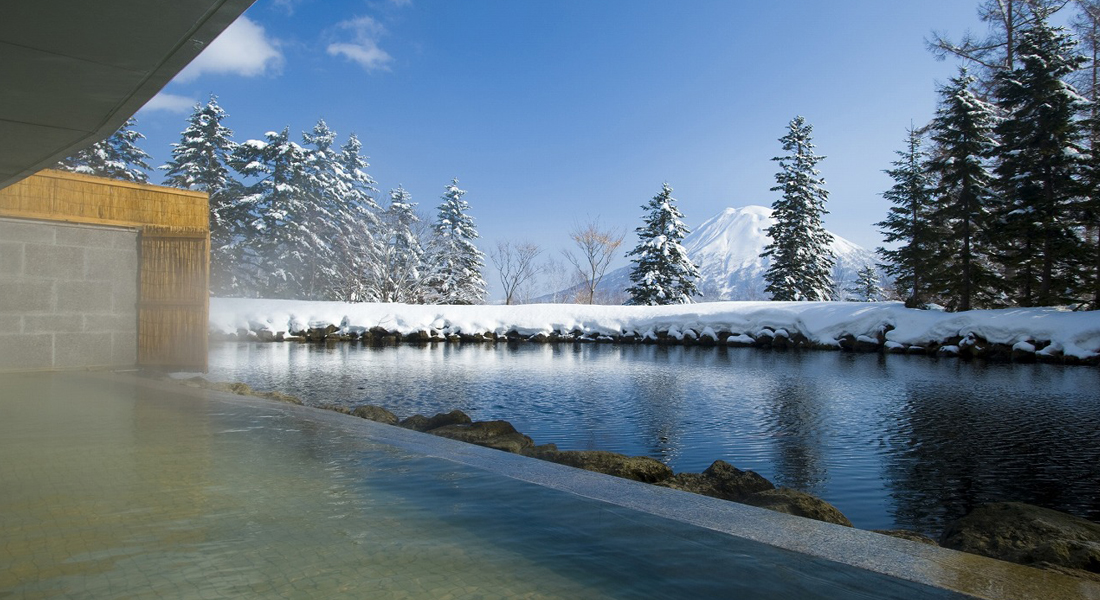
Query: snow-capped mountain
(727, 248)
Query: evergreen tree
(117, 157)
(801, 261)
(340, 216)
(662, 272)
(907, 223)
(1088, 28)
(396, 276)
(962, 132)
(357, 220)
(274, 248)
(866, 287)
(455, 262)
(200, 162)
(1041, 156)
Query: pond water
(892, 441)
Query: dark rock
(418, 337)
(782, 340)
(794, 502)
(973, 346)
(866, 345)
(455, 417)
(415, 422)
(720, 480)
(539, 338)
(317, 334)
(638, 468)
(500, 435)
(375, 413)
(847, 342)
(266, 335)
(237, 388)
(279, 397)
(906, 534)
(1028, 535)
(335, 408)
(764, 338)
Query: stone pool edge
(936, 567)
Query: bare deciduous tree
(596, 249)
(558, 280)
(515, 262)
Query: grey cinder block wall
(68, 295)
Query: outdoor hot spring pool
(112, 486)
(892, 441)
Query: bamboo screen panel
(62, 196)
(175, 304)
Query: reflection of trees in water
(952, 449)
(795, 421)
(657, 393)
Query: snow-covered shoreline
(885, 325)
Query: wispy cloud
(173, 103)
(242, 49)
(363, 47)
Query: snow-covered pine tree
(801, 261)
(273, 253)
(200, 162)
(117, 157)
(962, 131)
(662, 272)
(341, 217)
(1040, 159)
(1088, 29)
(359, 222)
(396, 273)
(455, 263)
(908, 223)
(866, 287)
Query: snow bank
(1075, 334)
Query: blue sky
(550, 112)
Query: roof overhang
(73, 71)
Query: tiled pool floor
(115, 486)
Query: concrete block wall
(68, 295)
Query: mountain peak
(727, 247)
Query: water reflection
(1028, 434)
(893, 441)
(797, 423)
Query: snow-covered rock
(1072, 334)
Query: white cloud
(172, 103)
(364, 48)
(242, 49)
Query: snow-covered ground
(1075, 334)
